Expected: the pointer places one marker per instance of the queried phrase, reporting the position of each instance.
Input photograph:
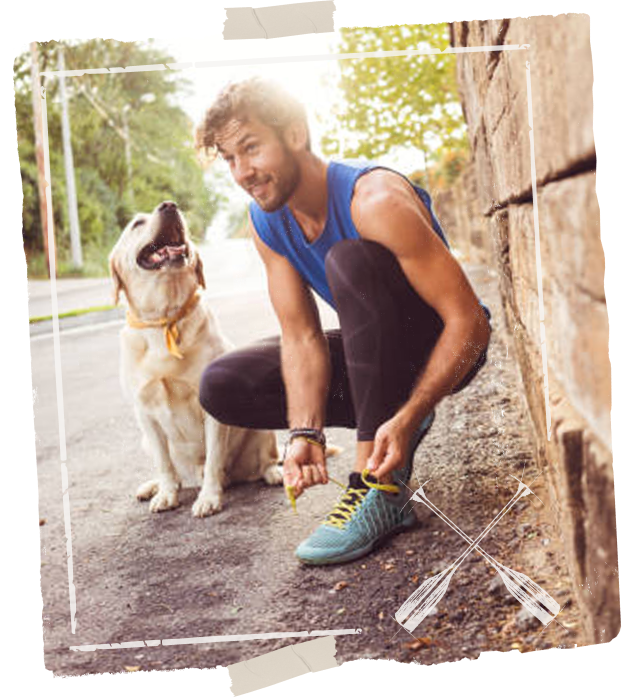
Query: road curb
(67, 323)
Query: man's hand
(391, 443)
(304, 466)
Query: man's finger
(322, 470)
(307, 476)
(378, 453)
(390, 462)
(316, 475)
(389, 455)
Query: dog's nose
(167, 207)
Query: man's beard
(284, 185)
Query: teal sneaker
(366, 514)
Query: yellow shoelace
(350, 500)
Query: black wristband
(316, 435)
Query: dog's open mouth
(168, 248)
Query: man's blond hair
(255, 97)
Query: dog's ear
(117, 281)
(199, 271)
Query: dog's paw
(164, 499)
(273, 475)
(333, 450)
(206, 504)
(148, 490)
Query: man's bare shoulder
(382, 189)
(386, 196)
(380, 181)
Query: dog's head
(154, 262)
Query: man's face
(261, 163)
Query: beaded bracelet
(312, 435)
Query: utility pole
(75, 233)
(38, 94)
(129, 157)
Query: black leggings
(387, 334)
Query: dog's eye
(137, 223)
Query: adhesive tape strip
(281, 665)
(279, 20)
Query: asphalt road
(140, 576)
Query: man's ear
(199, 271)
(296, 135)
(117, 281)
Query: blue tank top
(281, 232)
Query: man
(411, 328)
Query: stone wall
(493, 220)
(461, 217)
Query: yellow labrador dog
(169, 338)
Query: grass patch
(95, 265)
(73, 313)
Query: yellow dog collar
(170, 328)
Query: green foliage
(400, 101)
(444, 172)
(113, 181)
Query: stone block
(580, 473)
(577, 335)
(495, 31)
(522, 243)
(472, 98)
(484, 171)
(601, 559)
(510, 149)
(498, 99)
(560, 63)
(569, 224)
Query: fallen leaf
(381, 615)
(415, 579)
(340, 585)
(42, 522)
(418, 644)
(389, 566)
(132, 668)
(410, 552)
(340, 611)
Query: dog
(169, 338)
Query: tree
(401, 101)
(132, 143)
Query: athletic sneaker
(366, 514)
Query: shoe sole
(408, 522)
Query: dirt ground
(151, 577)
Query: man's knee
(216, 391)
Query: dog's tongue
(174, 250)
(168, 251)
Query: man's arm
(386, 209)
(305, 359)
